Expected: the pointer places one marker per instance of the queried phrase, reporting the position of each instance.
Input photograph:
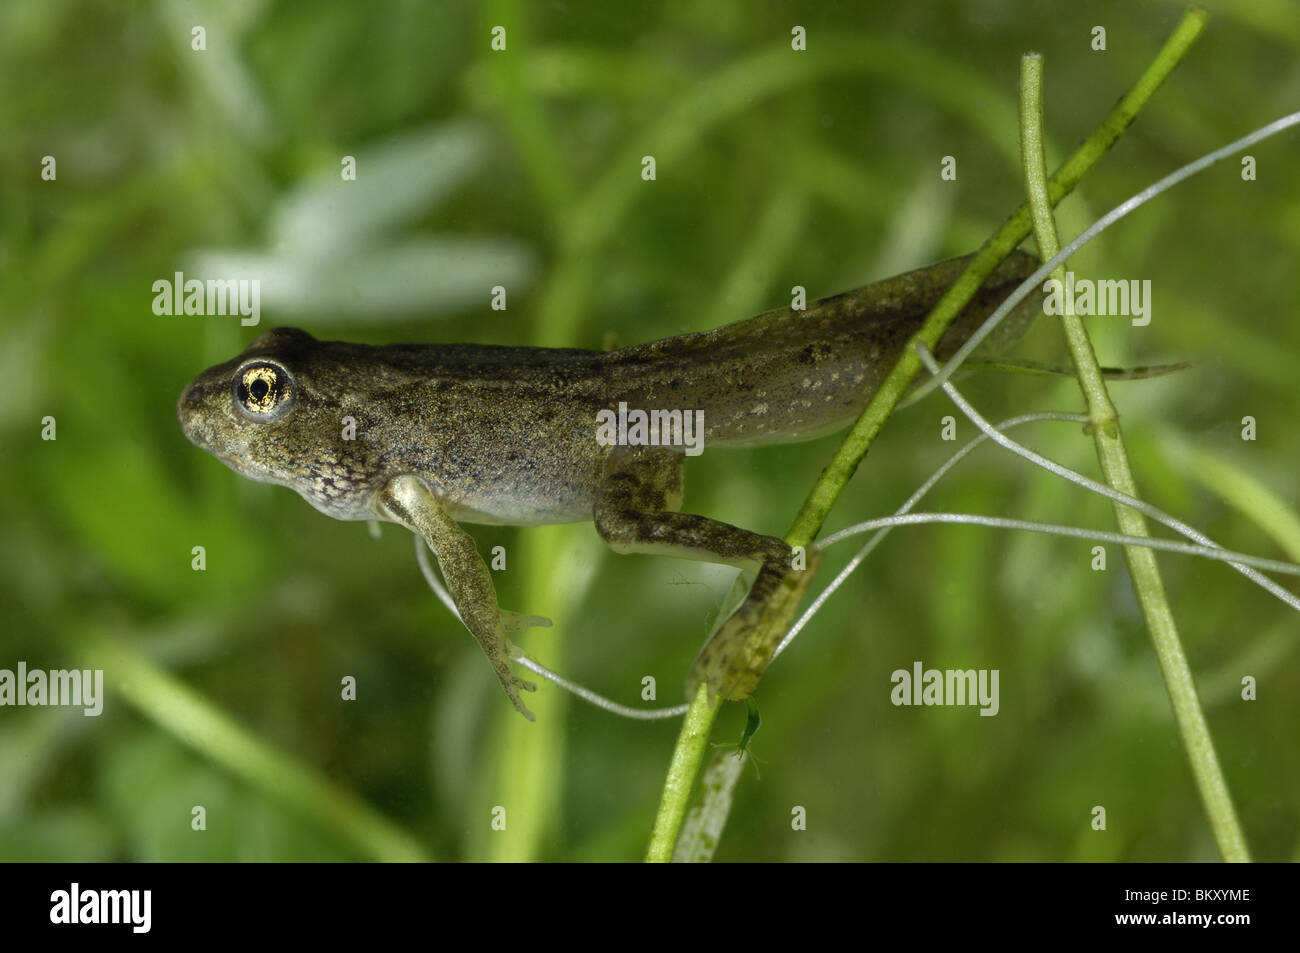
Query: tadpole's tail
(792, 375)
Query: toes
(523, 710)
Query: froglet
(431, 436)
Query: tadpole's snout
(185, 404)
(191, 411)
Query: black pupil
(259, 390)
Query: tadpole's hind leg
(636, 512)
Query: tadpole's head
(276, 414)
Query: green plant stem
(699, 719)
(688, 754)
(192, 719)
(1113, 456)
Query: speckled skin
(447, 433)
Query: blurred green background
(522, 168)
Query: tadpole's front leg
(636, 513)
(407, 500)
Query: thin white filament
(1101, 489)
(912, 500)
(586, 694)
(1210, 549)
(1091, 232)
(1055, 529)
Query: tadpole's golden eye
(263, 391)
